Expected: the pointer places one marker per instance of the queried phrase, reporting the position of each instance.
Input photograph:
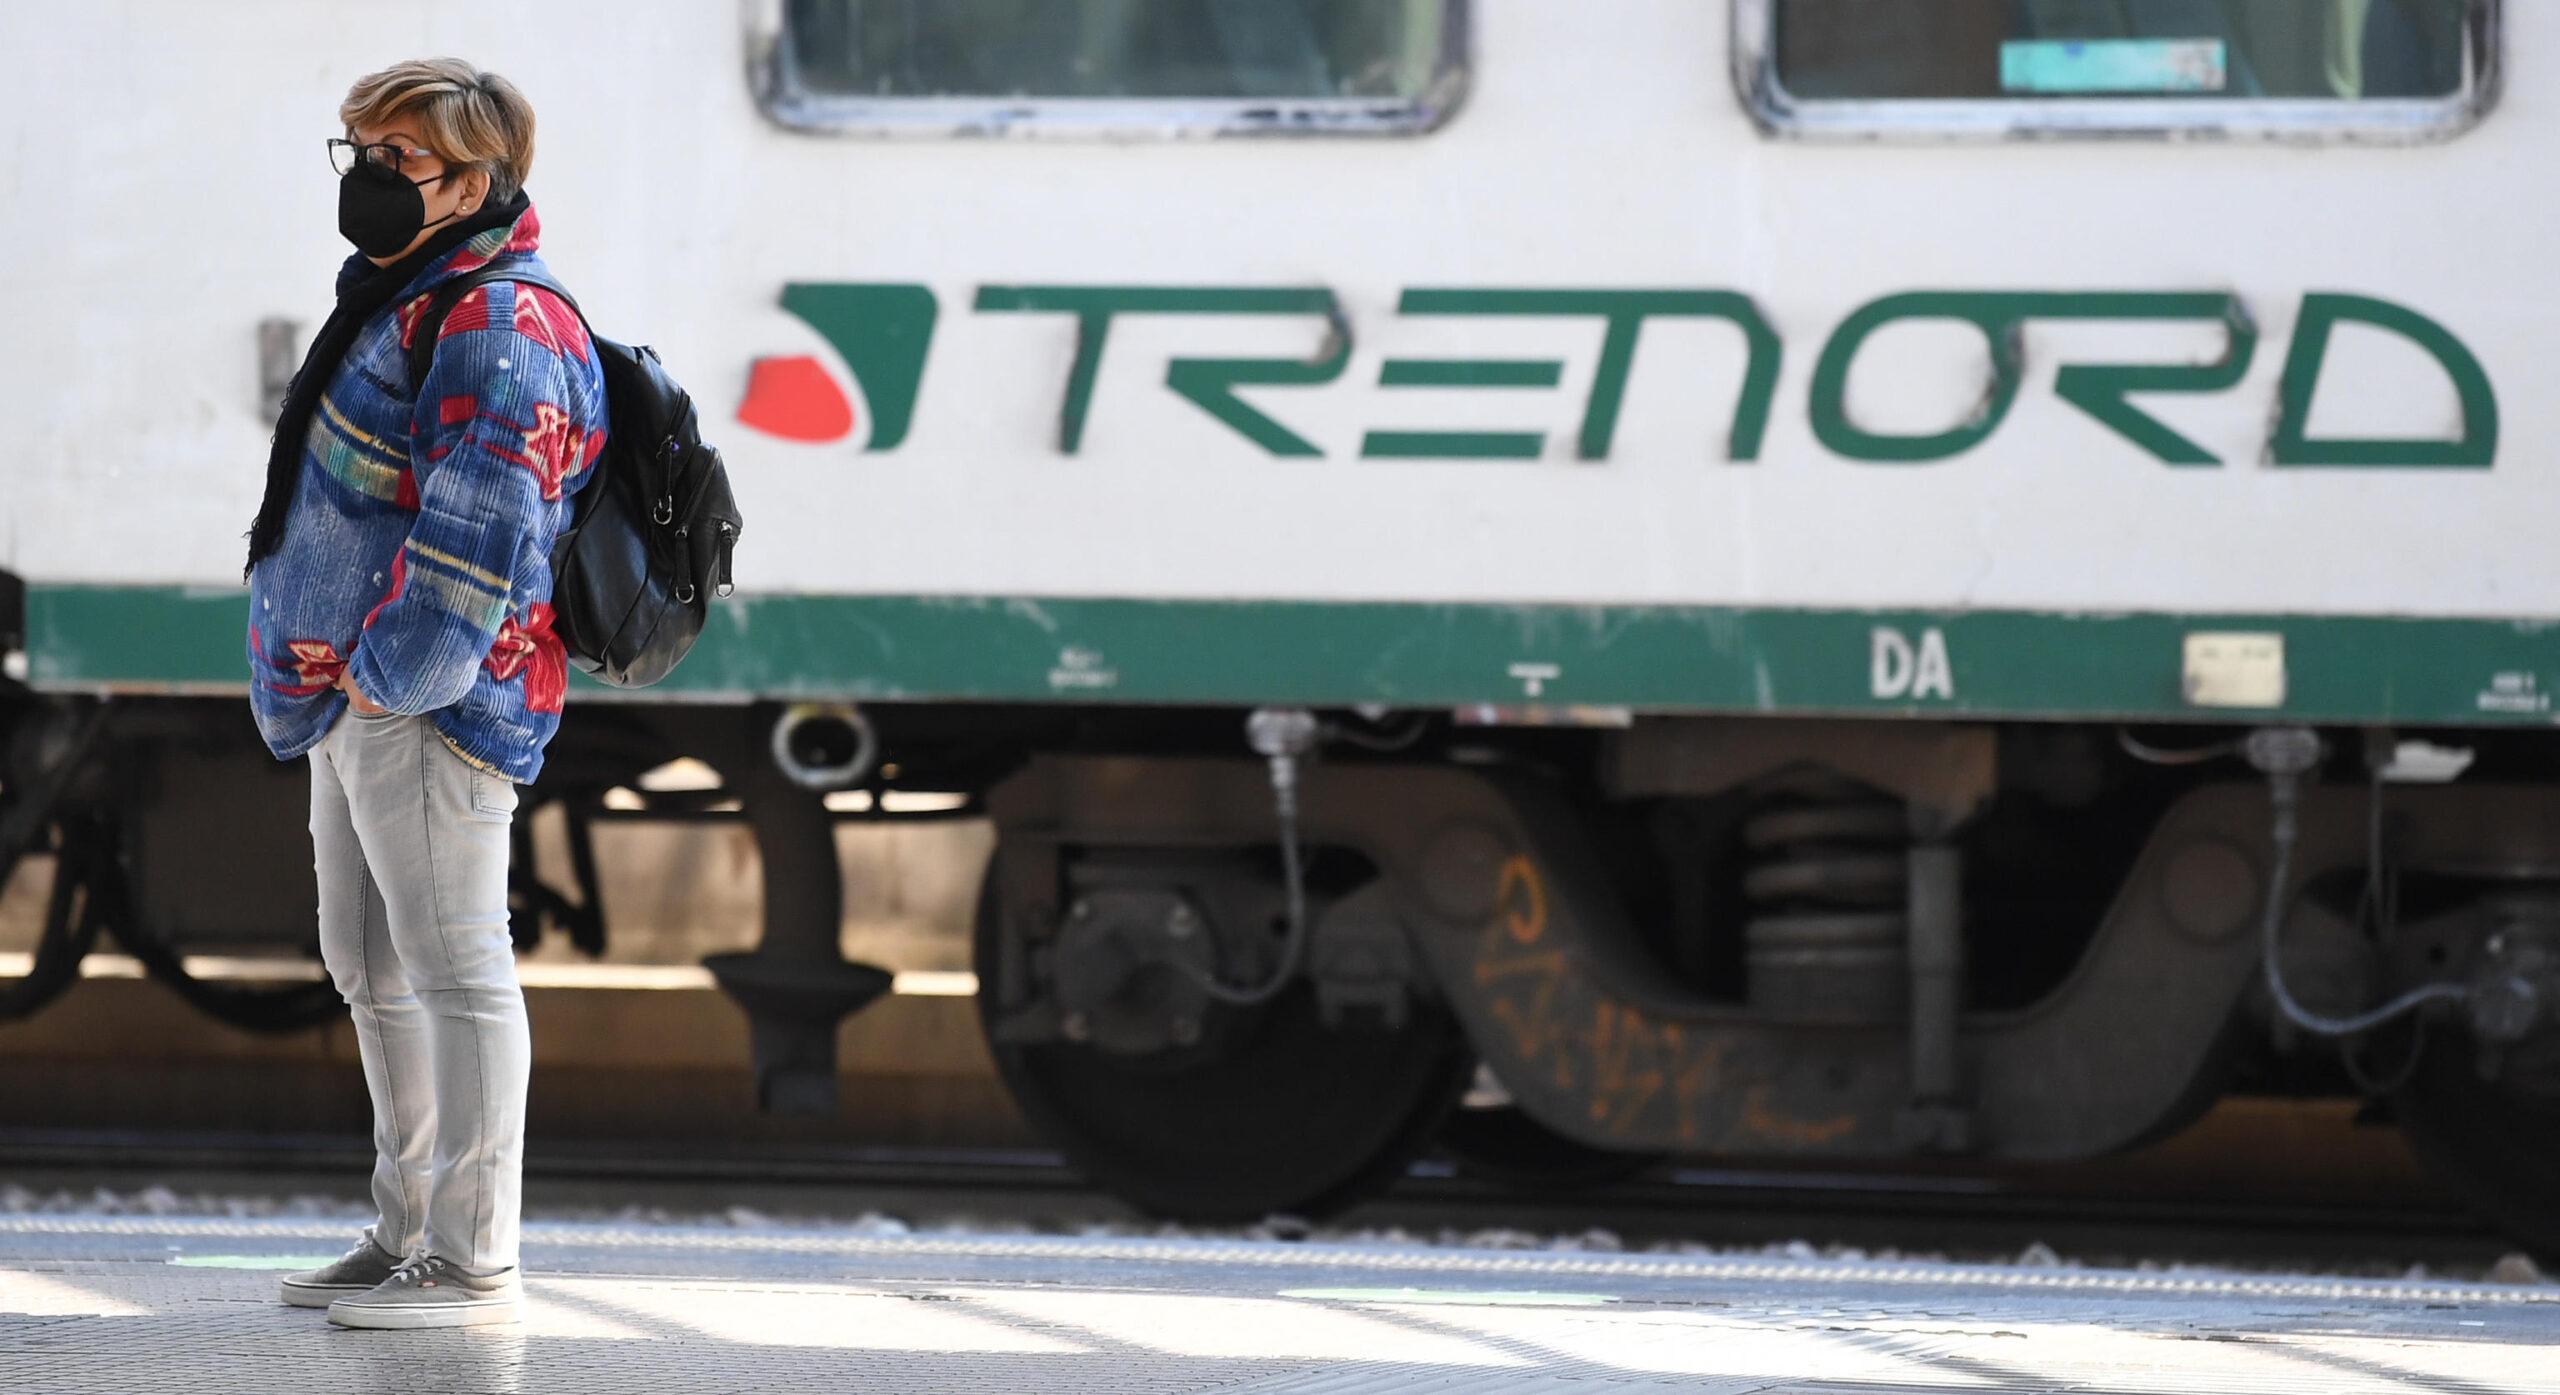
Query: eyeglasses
(343, 154)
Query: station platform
(125, 1305)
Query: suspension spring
(1829, 884)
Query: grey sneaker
(359, 1270)
(432, 1292)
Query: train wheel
(1267, 1112)
(2492, 1142)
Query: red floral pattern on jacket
(531, 652)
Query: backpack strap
(422, 338)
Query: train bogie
(1808, 940)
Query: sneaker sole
(408, 1317)
(317, 1295)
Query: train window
(2310, 69)
(1111, 67)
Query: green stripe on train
(1663, 658)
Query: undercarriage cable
(27, 817)
(272, 1011)
(70, 931)
(2377, 1085)
(90, 897)
(2149, 754)
(1349, 735)
(1281, 735)
(2284, 755)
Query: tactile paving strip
(1265, 1254)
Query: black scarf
(361, 292)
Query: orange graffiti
(1493, 965)
(1524, 899)
(1626, 1053)
(1532, 1024)
(1760, 1119)
(1690, 1090)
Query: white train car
(1814, 578)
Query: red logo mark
(793, 398)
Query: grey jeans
(410, 841)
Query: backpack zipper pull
(664, 512)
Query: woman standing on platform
(400, 635)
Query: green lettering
(2477, 449)
(1624, 313)
(2101, 390)
(1208, 383)
(1461, 373)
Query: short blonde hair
(471, 119)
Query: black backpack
(649, 537)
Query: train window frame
(789, 103)
(2403, 121)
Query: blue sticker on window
(2084, 67)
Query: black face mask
(382, 212)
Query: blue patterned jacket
(417, 553)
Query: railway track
(1953, 1216)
